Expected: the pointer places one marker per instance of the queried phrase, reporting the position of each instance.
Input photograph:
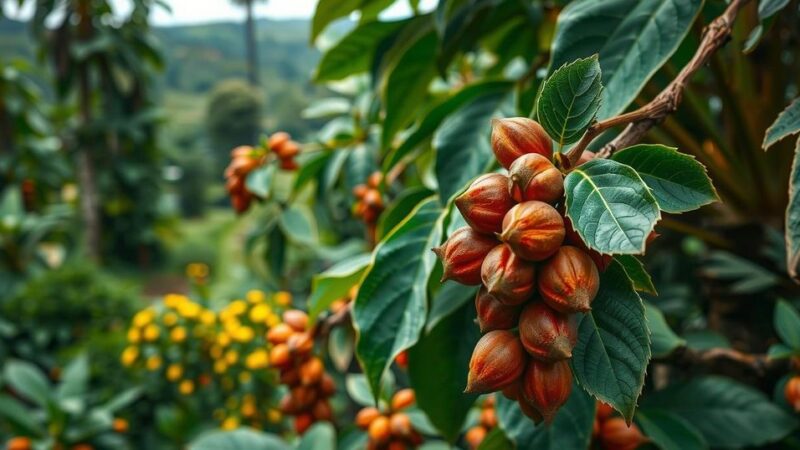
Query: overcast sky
(198, 11)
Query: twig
(759, 364)
(641, 120)
(324, 326)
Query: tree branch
(758, 364)
(641, 120)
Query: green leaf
(311, 169)
(259, 181)
(445, 351)
(335, 283)
(243, 438)
(299, 225)
(637, 273)
(19, 416)
(633, 38)
(496, 440)
(462, 143)
(400, 208)
(123, 399)
(341, 346)
(570, 99)
(780, 351)
(321, 436)
(75, 379)
(431, 121)
(354, 53)
(787, 124)
(678, 182)
(358, 389)
(727, 413)
(610, 206)
(391, 306)
(571, 428)
(793, 218)
(451, 296)
(329, 10)
(768, 8)
(407, 85)
(613, 349)
(27, 381)
(787, 324)
(669, 432)
(664, 340)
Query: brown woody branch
(638, 122)
(324, 326)
(759, 365)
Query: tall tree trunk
(250, 39)
(85, 165)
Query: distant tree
(233, 117)
(250, 40)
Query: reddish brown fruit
(546, 334)
(400, 425)
(485, 202)
(288, 150)
(360, 190)
(489, 401)
(494, 314)
(573, 238)
(296, 319)
(300, 343)
(303, 396)
(547, 386)
(616, 435)
(462, 255)
(534, 230)
(289, 165)
(569, 281)
(792, 392)
(322, 410)
(311, 371)
(534, 177)
(507, 277)
(402, 359)
(497, 361)
(604, 411)
(379, 431)
(278, 139)
(303, 422)
(326, 386)
(373, 199)
(488, 418)
(290, 377)
(516, 136)
(288, 405)
(530, 410)
(279, 356)
(475, 436)
(279, 334)
(403, 399)
(366, 416)
(19, 443)
(375, 179)
(512, 391)
(397, 445)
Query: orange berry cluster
(486, 422)
(612, 433)
(369, 202)
(245, 159)
(535, 274)
(310, 387)
(390, 429)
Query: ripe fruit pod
(534, 177)
(403, 399)
(279, 356)
(792, 393)
(616, 435)
(488, 418)
(604, 411)
(462, 255)
(547, 386)
(507, 277)
(303, 422)
(516, 136)
(366, 416)
(311, 371)
(530, 410)
(546, 334)
(475, 436)
(296, 319)
(485, 202)
(326, 386)
(569, 281)
(322, 410)
(300, 343)
(494, 314)
(278, 139)
(400, 425)
(379, 431)
(534, 230)
(279, 334)
(497, 361)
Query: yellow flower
(231, 423)
(208, 317)
(231, 357)
(143, 317)
(170, 319)
(283, 298)
(259, 313)
(190, 310)
(186, 387)
(197, 270)
(248, 410)
(244, 334)
(259, 359)
(153, 362)
(174, 372)
(151, 332)
(174, 300)
(245, 377)
(134, 336)
(129, 355)
(255, 296)
(273, 320)
(220, 366)
(178, 334)
(274, 415)
(223, 339)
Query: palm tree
(250, 40)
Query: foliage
(233, 117)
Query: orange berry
(403, 399)
(378, 430)
(365, 417)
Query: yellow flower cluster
(189, 346)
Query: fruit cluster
(245, 159)
(486, 422)
(535, 272)
(612, 433)
(390, 429)
(369, 202)
(310, 387)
